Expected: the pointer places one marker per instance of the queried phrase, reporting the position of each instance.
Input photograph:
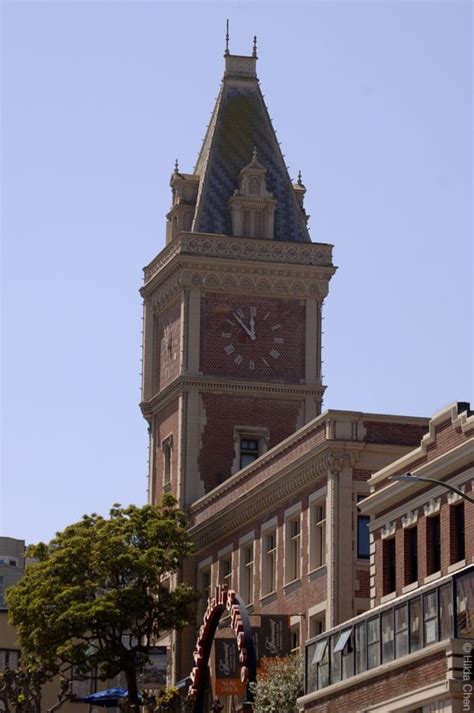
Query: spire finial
(176, 166)
(227, 39)
(300, 182)
(254, 51)
(254, 154)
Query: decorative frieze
(410, 519)
(432, 507)
(387, 531)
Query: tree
(279, 685)
(99, 594)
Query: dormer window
(252, 206)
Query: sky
(371, 101)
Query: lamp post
(409, 478)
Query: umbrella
(106, 699)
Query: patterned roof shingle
(239, 123)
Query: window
(293, 548)
(445, 611)
(321, 660)
(225, 570)
(361, 647)
(249, 451)
(246, 573)
(415, 625)
(253, 223)
(457, 533)
(363, 536)
(2, 592)
(411, 554)
(295, 638)
(344, 646)
(317, 541)
(401, 631)
(269, 562)
(8, 659)
(204, 588)
(389, 571)
(373, 642)
(167, 447)
(317, 624)
(433, 544)
(465, 606)
(430, 617)
(254, 186)
(387, 636)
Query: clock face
(255, 338)
(167, 345)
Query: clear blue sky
(371, 100)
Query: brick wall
(405, 434)
(223, 412)
(389, 684)
(277, 352)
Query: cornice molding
(225, 246)
(186, 383)
(259, 499)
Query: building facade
(232, 393)
(412, 651)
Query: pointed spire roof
(239, 124)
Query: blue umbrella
(106, 699)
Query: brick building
(412, 651)
(232, 387)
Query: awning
(319, 651)
(106, 699)
(342, 640)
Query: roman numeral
(265, 361)
(226, 335)
(240, 313)
(230, 322)
(276, 326)
(251, 364)
(238, 359)
(274, 353)
(229, 349)
(266, 316)
(278, 340)
(253, 311)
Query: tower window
(248, 451)
(167, 447)
(269, 562)
(253, 223)
(293, 548)
(317, 542)
(254, 186)
(225, 570)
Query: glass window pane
(415, 625)
(311, 669)
(401, 631)
(361, 647)
(430, 616)
(387, 636)
(363, 543)
(336, 664)
(465, 606)
(446, 611)
(373, 645)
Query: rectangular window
(465, 606)
(249, 451)
(317, 624)
(446, 611)
(411, 554)
(389, 566)
(317, 541)
(415, 625)
(295, 638)
(8, 659)
(457, 534)
(269, 562)
(258, 224)
(246, 573)
(373, 642)
(433, 544)
(321, 660)
(387, 636)
(204, 588)
(363, 535)
(247, 224)
(430, 617)
(293, 548)
(361, 647)
(401, 631)
(167, 447)
(225, 570)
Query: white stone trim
(225, 551)
(432, 507)
(410, 519)
(388, 531)
(410, 587)
(293, 510)
(245, 539)
(432, 577)
(205, 563)
(456, 565)
(269, 524)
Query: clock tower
(232, 304)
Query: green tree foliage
(279, 686)
(96, 599)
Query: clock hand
(247, 330)
(253, 336)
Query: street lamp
(409, 478)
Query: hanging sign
(227, 668)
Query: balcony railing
(434, 613)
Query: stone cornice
(209, 245)
(261, 497)
(185, 383)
